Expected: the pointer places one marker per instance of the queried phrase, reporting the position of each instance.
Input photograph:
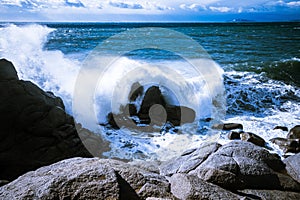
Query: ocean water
(249, 73)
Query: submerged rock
(228, 126)
(283, 128)
(294, 133)
(253, 138)
(153, 111)
(35, 129)
(287, 145)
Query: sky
(149, 10)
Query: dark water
(273, 48)
(261, 63)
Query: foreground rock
(88, 178)
(238, 170)
(237, 165)
(293, 166)
(35, 129)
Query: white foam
(50, 70)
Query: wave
(50, 70)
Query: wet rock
(293, 166)
(35, 129)
(253, 138)
(233, 135)
(154, 111)
(227, 126)
(294, 133)
(7, 71)
(287, 145)
(136, 90)
(191, 187)
(283, 128)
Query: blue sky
(148, 10)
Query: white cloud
(194, 7)
(294, 3)
(220, 9)
(126, 5)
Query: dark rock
(152, 96)
(179, 115)
(154, 111)
(7, 71)
(270, 194)
(253, 138)
(293, 166)
(190, 187)
(35, 129)
(233, 135)
(227, 126)
(283, 128)
(287, 145)
(3, 182)
(136, 90)
(88, 178)
(287, 183)
(188, 160)
(294, 133)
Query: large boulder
(270, 194)
(35, 129)
(189, 187)
(236, 165)
(189, 160)
(88, 178)
(293, 166)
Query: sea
(246, 73)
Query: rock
(190, 187)
(3, 182)
(283, 128)
(136, 90)
(7, 71)
(88, 178)
(152, 96)
(287, 145)
(221, 170)
(153, 112)
(233, 135)
(294, 133)
(35, 129)
(253, 138)
(235, 165)
(293, 166)
(227, 126)
(270, 194)
(189, 160)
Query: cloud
(138, 9)
(293, 3)
(194, 7)
(126, 5)
(222, 9)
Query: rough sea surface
(259, 62)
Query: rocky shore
(42, 157)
